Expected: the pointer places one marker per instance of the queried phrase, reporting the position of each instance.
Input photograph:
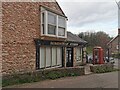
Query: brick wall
(113, 46)
(20, 25)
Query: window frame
(43, 10)
(80, 54)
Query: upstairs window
(53, 24)
(61, 26)
(43, 17)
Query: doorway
(69, 57)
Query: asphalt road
(106, 80)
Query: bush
(102, 68)
(116, 55)
(41, 75)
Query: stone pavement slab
(105, 80)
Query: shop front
(52, 54)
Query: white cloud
(91, 15)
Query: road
(106, 80)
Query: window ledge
(53, 36)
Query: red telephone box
(98, 55)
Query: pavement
(117, 63)
(104, 80)
(87, 69)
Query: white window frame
(51, 65)
(46, 24)
(117, 47)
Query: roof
(112, 40)
(74, 38)
(60, 8)
(54, 11)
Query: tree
(95, 39)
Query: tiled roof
(74, 38)
(112, 40)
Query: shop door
(69, 57)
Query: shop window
(59, 56)
(78, 54)
(50, 57)
(42, 57)
(54, 56)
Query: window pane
(54, 56)
(51, 30)
(43, 15)
(42, 57)
(61, 22)
(61, 31)
(51, 19)
(59, 56)
(43, 29)
(48, 56)
(78, 54)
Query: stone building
(113, 46)
(34, 36)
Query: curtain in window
(48, 56)
(59, 56)
(54, 56)
(42, 57)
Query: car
(90, 58)
(111, 59)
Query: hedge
(41, 75)
(102, 68)
(116, 55)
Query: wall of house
(20, 25)
(113, 46)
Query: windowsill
(48, 35)
(61, 36)
(53, 36)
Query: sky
(91, 15)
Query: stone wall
(20, 25)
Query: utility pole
(118, 27)
(118, 4)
